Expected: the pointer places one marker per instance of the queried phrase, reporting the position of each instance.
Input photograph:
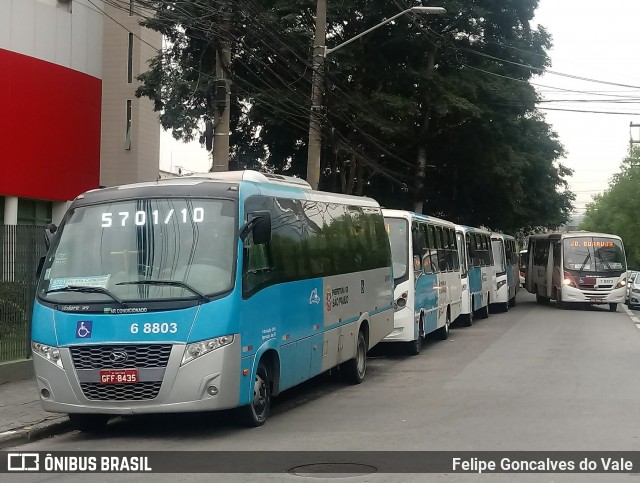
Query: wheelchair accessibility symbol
(83, 329)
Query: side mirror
(49, 232)
(40, 265)
(260, 224)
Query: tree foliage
(431, 111)
(616, 209)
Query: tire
(561, 305)
(613, 307)
(541, 300)
(443, 332)
(512, 301)
(256, 413)
(483, 313)
(415, 346)
(355, 370)
(89, 423)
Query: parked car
(633, 291)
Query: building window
(34, 212)
(127, 138)
(130, 60)
(131, 8)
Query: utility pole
(317, 91)
(632, 141)
(222, 98)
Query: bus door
(555, 274)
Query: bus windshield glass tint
(115, 246)
(398, 238)
(594, 254)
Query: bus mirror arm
(49, 231)
(260, 224)
(40, 265)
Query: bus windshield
(141, 250)
(398, 231)
(594, 254)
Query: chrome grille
(120, 392)
(138, 356)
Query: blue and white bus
(207, 292)
(478, 273)
(426, 270)
(505, 257)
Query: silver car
(633, 290)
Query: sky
(591, 39)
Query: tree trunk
(421, 164)
(352, 174)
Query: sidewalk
(22, 419)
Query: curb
(33, 433)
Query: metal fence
(21, 247)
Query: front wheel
(443, 332)
(256, 413)
(415, 346)
(541, 300)
(512, 301)
(613, 307)
(355, 369)
(483, 312)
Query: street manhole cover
(332, 470)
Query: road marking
(632, 316)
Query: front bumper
(182, 389)
(613, 296)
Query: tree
(428, 113)
(616, 210)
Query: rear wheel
(255, 414)
(443, 332)
(89, 423)
(354, 370)
(613, 307)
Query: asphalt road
(535, 378)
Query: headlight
(501, 284)
(52, 354)
(197, 349)
(621, 283)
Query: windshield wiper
(84, 289)
(172, 283)
(608, 267)
(587, 258)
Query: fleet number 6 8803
(155, 328)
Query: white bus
(478, 272)
(426, 270)
(577, 267)
(507, 281)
